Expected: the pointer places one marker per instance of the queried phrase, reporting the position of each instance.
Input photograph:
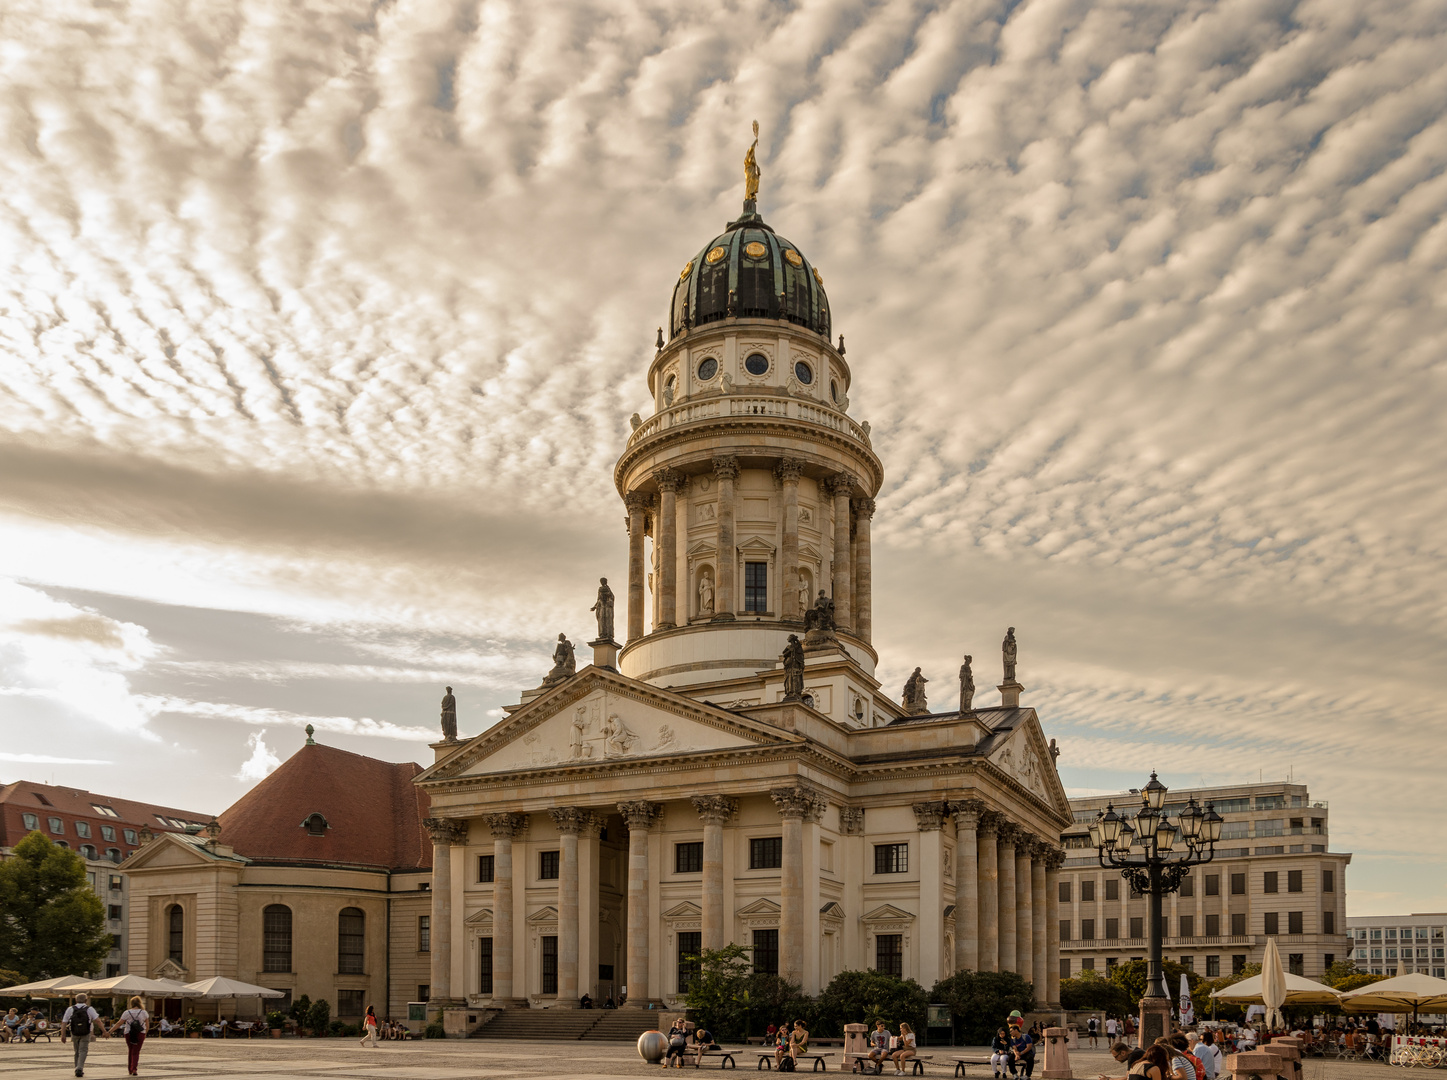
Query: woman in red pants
(132, 1025)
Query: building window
(112, 970)
(889, 954)
(1088, 964)
(1296, 963)
(115, 883)
(1137, 927)
(176, 927)
(484, 966)
(1273, 924)
(1188, 886)
(82, 829)
(114, 912)
(1065, 892)
(688, 859)
(1328, 960)
(690, 947)
(1213, 967)
(1294, 923)
(1188, 926)
(1238, 884)
(130, 835)
(349, 1002)
(766, 853)
(32, 821)
(1064, 968)
(351, 941)
(484, 868)
(276, 938)
(550, 964)
(1213, 884)
(756, 586)
(1188, 962)
(1213, 926)
(114, 855)
(1238, 963)
(1112, 928)
(891, 858)
(1110, 964)
(1268, 881)
(115, 941)
(315, 825)
(1328, 881)
(1087, 891)
(424, 933)
(88, 851)
(1064, 929)
(548, 865)
(1238, 923)
(1293, 881)
(108, 833)
(766, 952)
(1112, 889)
(57, 827)
(1087, 929)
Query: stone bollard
(1057, 1054)
(1252, 1065)
(856, 1047)
(1288, 1050)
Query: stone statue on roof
(603, 609)
(967, 684)
(914, 698)
(449, 717)
(793, 669)
(751, 169)
(1009, 649)
(821, 615)
(564, 666)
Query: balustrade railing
(736, 405)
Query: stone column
(930, 819)
(989, 860)
(725, 599)
(1009, 956)
(669, 481)
(864, 584)
(569, 820)
(1054, 860)
(789, 470)
(444, 832)
(639, 817)
(967, 885)
(715, 810)
(1024, 910)
(638, 503)
(1039, 949)
(794, 805)
(588, 871)
(840, 486)
(504, 828)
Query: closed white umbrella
(1299, 991)
(222, 987)
(1273, 985)
(45, 988)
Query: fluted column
(988, 847)
(840, 486)
(1054, 860)
(864, 579)
(726, 600)
(638, 503)
(930, 819)
(1038, 942)
(789, 470)
(1009, 956)
(967, 885)
(589, 866)
(1024, 909)
(444, 832)
(505, 828)
(715, 810)
(668, 484)
(569, 820)
(794, 805)
(639, 817)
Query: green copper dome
(749, 272)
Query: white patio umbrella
(1273, 985)
(222, 987)
(138, 985)
(45, 988)
(1417, 993)
(1299, 991)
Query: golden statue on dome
(751, 169)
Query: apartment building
(1273, 876)
(1400, 944)
(102, 830)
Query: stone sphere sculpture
(652, 1046)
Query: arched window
(176, 924)
(316, 825)
(114, 854)
(276, 938)
(351, 941)
(88, 851)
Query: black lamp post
(1155, 856)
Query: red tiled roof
(74, 805)
(374, 813)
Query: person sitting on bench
(878, 1046)
(702, 1044)
(904, 1048)
(677, 1043)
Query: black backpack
(80, 1021)
(786, 1064)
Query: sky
(321, 324)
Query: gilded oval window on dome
(707, 369)
(755, 250)
(757, 364)
(794, 258)
(686, 270)
(715, 254)
(804, 373)
(818, 277)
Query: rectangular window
(1273, 923)
(1293, 881)
(351, 942)
(82, 829)
(1213, 926)
(114, 912)
(484, 966)
(1213, 967)
(484, 868)
(1296, 963)
(1328, 960)
(349, 1002)
(756, 586)
(690, 946)
(1137, 927)
(108, 832)
(889, 954)
(56, 826)
(891, 858)
(130, 835)
(1238, 884)
(1328, 923)
(115, 883)
(766, 853)
(1064, 968)
(1112, 889)
(1238, 923)
(1087, 929)
(1188, 886)
(108, 811)
(688, 859)
(1112, 928)
(115, 941)
(1269, 882)
(1188, 926)
(1065, 892)
(1088, 964)
(548, 865)
(424, 933)
(1087, 891)
(1294, 923)
(766, 952)
(1065, 929)
(1238, 963)
(1110, 963)
(1213, 884)
(550, 963)
(112, 970)
(32, 822)
(1188, 962)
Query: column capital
(839, 484)
(638, 815)
(1040, 848)
(446, 830)
(798, 802)
(851, 820)
(967, 813)
(788, 470)
(570, 820)
(715, 809)
(638, 501)
(930, 816)
(863, 508)
(726, 465)
(505, 826)
(989, 826)
(668, 479)
(1054, 858)
(1009, 832)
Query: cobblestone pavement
(474, 1059)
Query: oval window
(834, 391)
(803, 373)
(707, 369)
(757, 364)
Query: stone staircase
(561, 1025)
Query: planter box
(193, 1034)
(276, 1033)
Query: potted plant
(193, 1027)
(276, 1021)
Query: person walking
(133, 1025)
(1110, 1029)
(369, 1027)
(80, 1020)
(1093, 1026)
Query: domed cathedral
(732, 771)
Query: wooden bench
(726, 1058)
(766, 1060)
(961, 1063)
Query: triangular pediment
(168, 969)
(762, 906)
(701, 547)
(757, 545)
(169, 851)
(601, 719)
(686, 910)
(887, 913)
(544, 915)
(832, 910)
(1024, 756)
(480, 918)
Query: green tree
(718, 994)
(1204, 1003)
(1090, 990)
(51, 922)
(1357, 981)
(862, 997)
(319, 1016)
(1342, 969)
(1131, 976)
(981, 1000)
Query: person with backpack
(80, 1020)
(133, 1025)
(1092, 1025)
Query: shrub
(337, 1029)
(434, 1031)
(275, 1019)
(981, 1000)
(1090, 990)
(319, 1016)
(299, 1010)
(862, 997)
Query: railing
(732, 405)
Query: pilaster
(840, 487)
(668, 481)
(788, 471)
(863, 567)
(726, 601)
(638, 504)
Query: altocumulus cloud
(336, 312)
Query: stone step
(619, 1025)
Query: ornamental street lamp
(1155, 855)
